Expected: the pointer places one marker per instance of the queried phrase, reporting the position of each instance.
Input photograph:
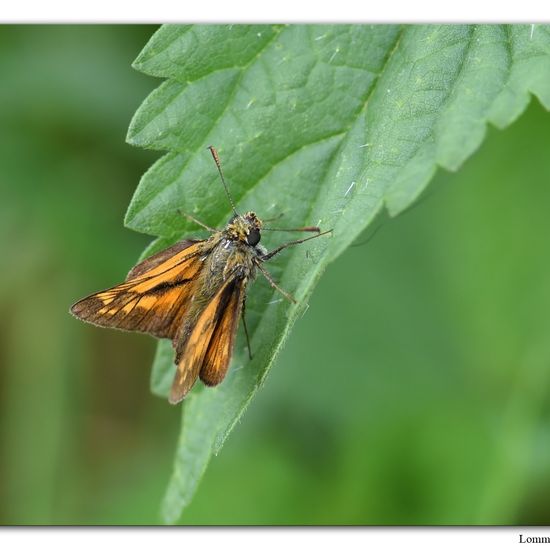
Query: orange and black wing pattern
(154, 296)
(207, 350)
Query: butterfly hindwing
(218, 356)
(153, 298)
(206, 351)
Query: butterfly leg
(267, 275)
(270, 255)
(274, 218)
(198, 222)
(308, 228)
(246, 329)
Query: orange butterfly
(193, 293)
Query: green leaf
(326, 124)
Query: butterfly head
(240, 228)
(245, 228)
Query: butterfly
(193, 293)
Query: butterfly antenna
(219, 165)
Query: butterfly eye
(253, 237)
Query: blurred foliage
(415, 389)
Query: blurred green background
(415, 390)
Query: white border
(235, 11)
(350, 538)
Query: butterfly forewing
(169, 257)
(154, 296)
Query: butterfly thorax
(229, 254)
(228, 258)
